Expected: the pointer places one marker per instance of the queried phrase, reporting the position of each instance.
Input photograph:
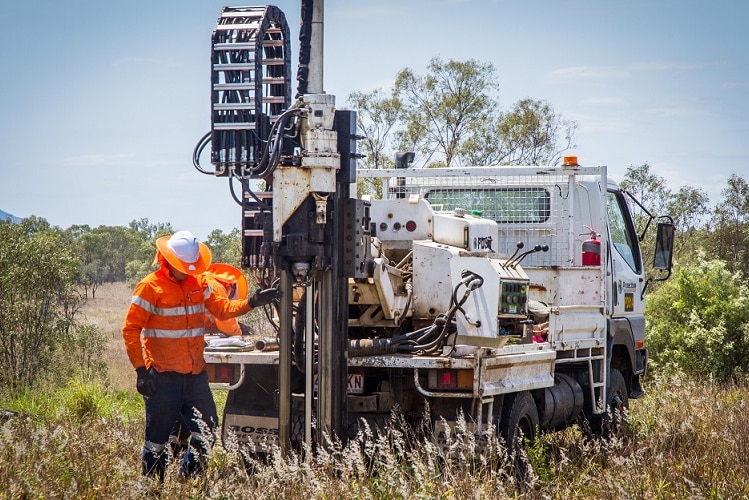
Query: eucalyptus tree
(38, 299)
(530, 133)
(225, 247)
(450, 117)
(729, 225)
(688, 207)
(443, 107)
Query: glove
(263, 297)
(144, 383)
(246, 330)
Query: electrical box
(466, 231)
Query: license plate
(355, 383)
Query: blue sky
(103, 101)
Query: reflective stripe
(140, 301)
(168, 311)
(175, 440)
(173, 334)
(199, 437)
(153, 447)
(207, 293)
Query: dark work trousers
(178, 395)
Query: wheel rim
(617, 402)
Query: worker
(541, 332)
(163, 334)
(227, 281)
(539, 312)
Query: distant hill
(6, 216)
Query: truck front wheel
(617, 403)
(618, 396)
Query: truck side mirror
(664, 246)
(664, 250)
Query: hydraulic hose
(199, 147)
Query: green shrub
(698, 322)
(41, 339)
(38, 300)
(82, 353)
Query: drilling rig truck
(511, 297)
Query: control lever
(518, 246)
(537, 248)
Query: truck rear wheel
(518, 428)
(519, 421)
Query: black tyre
(518, 428)
(618, 395)
(519, 420)
(613, 420)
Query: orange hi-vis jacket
(165, 323)
(228, 326)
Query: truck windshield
(504, 205)
(622, 231)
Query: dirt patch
(107, 312)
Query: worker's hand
(246, 330)
(144, 383)
(263, 297)
(540, 329)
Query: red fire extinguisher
(591, 249)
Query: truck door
(625, 259)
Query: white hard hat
(184, 252)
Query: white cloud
(600, 123)
(573, 73)
(665, 66)
(734, 85)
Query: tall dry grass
(685, 439)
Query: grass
(685, 438)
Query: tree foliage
(377, 120)
(688, 207)
(531, 133)
(39, 302)
(225, 247)
(698, 322)
(450, 116)
(442, 107)
(104, 253)
(729, 235)
(141, 259)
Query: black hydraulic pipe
(284, 362)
